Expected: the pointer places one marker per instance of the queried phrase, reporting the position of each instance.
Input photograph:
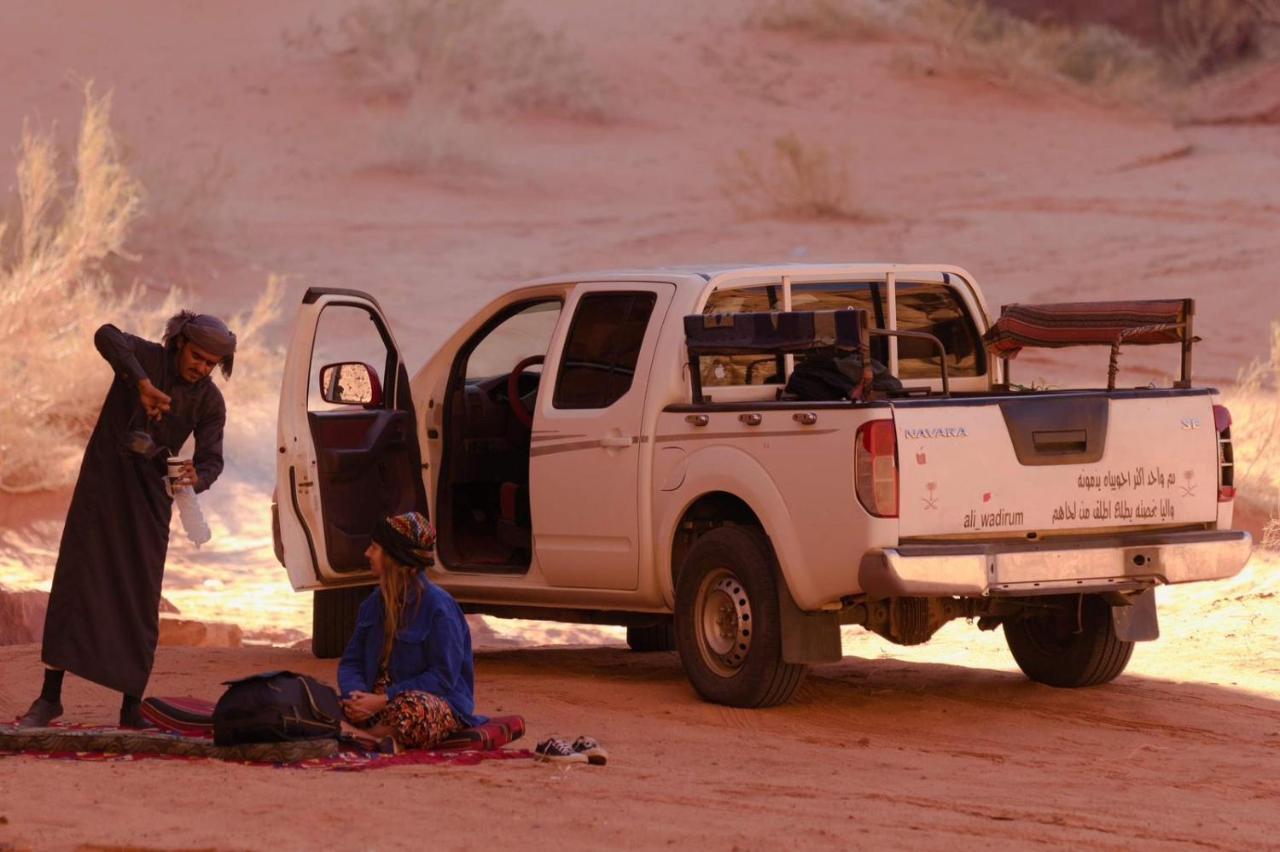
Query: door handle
(617, 441)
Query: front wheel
(1070, 645)
(728, 625)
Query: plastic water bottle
(191, 516)
(188, 506)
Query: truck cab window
(602, 348)
(867, 295)
(731, 370)
(933, 308)
(522, 334)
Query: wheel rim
(724, 624)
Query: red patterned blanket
(185, 732)
(1087, 324)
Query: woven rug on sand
(114, 744)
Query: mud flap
(1137, 621)
(807, 637)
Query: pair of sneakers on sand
(581, 750)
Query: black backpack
(275, 707)
(827, 377)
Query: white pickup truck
(619, 448)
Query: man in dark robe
(103, 619)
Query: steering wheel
(518, 410)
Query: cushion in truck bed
(1144, 322)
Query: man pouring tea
(103, 619)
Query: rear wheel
(1069, 646)
(728, 626)
(333, 619)
(652, 637)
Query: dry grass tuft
(476, 55)
(1271, 534)
(805, 180)
(1202, 37)
(1255, 431)
(826, 20)
(972, 34)
(422, 136)
(1205, 36)
(55, 291)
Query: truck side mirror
(350, 383)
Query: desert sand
(260, 155)
(949, 748)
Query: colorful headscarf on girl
(407, 538)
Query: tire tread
(1097, 657)
(752, 554)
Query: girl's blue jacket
(432, 652)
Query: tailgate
(1056, 462)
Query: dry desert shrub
(972, 36)
(1271, 534)
(828, 20)
(799, 179)
(55, 290)
(425, 136)
(1266, 11)
(475, 54)
(1255, 430)
(1007, 46)
(1204, 36)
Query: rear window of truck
(929, 307)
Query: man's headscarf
(407, 538)
(206, 331)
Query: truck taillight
(875, 468)
(1226, 466)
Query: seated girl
(407, 671)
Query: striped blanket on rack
(1087, 324)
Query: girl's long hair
(398, 581)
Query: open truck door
(347, 452)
